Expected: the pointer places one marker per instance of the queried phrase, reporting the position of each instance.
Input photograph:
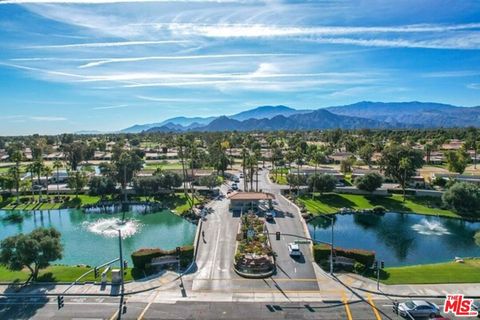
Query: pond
(92, 238)
(401, 239)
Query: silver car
(417, 309)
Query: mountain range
(354, 116)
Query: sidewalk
(409, 290)
(89, 289)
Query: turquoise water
(401, 239)
(86, 241)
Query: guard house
(244, 201)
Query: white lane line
(215, 253)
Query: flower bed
(254, 255)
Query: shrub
(321, 252)
(379, 209)
(464, 198)
(143, 257)
(369, 182)
(359, 268)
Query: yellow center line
(374, 308)
(347, 307)
(140, 317)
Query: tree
(38, 169)
(102, 186)
(346, 165)
(126, 164)
(16, 157)
(464, 198)
(471, 143)
(33, 251)
(366, 154)
(75, 153)
(369, 182)
(322, 183)
(47, 171)
(210, 181)
(401, 163)
(57, 165)
(77, 180)
(295, 180)
(457, 161)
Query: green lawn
(449, 272)
(57, 273)
(333, 202)
(281, 179)
(74, 202)
(163, 166)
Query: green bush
(379, 209)
(143, 257)
(321, 252)
(359, 268)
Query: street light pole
(122, 288)
(331, 250)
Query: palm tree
(405, 164)
(48, 171)
(31, 170)
(38, 167)
(17, 157)
(57, 164)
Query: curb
(406, 295)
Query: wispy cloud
(108, 44)
(261, 30)
(193, 100)
(189, 57)
(475, 86)
(451, 74)
(47, 118)
(119, 106)
(115, 1)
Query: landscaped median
(438, 273)
(254, 255)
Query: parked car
(241, 175)
(234, 186)
(230, 190)
(476, 307)
(236, 179)
(294, 250)
(417, 308)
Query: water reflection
(84, 238)
(402, 239)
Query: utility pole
(122, 287)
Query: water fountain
(109, 227)
(430, 228)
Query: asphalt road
(106, 308)
(217, 249)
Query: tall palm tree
(48, 171)
(38, 167)
(57, 164)
(31, 170)
(17, 157)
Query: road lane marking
(215, 253)
(374, 308)
(347, 307)
(140, 317)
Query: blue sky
(106, 65)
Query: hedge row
(141, 258)
(321, 252)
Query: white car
(294, 250)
